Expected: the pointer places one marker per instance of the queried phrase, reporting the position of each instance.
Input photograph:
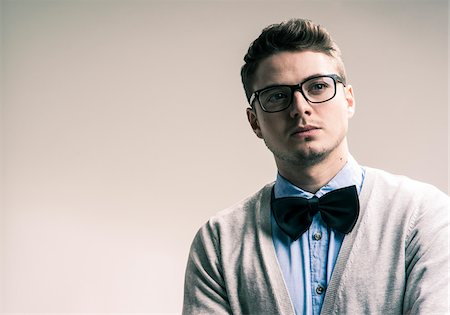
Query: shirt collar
(351, 174)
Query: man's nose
(299, 105)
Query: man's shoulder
(248, 207)
(228, 228)
(381, 179)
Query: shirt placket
(318, 241)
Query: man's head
(300, 104)
(292, 35)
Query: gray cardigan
(395, 261)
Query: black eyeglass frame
(296, 87)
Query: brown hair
(292, 35)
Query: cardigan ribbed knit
(395, 260)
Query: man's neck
(312, 178)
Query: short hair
(292, 35)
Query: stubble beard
(307, 158)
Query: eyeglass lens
(315, 90)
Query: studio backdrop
(123, 129)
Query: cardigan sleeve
(204, 288)
(427, 257)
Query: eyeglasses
(317, 89)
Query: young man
(329, 236)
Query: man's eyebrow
(312, 76)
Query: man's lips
(303, 130)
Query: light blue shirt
(308, 262)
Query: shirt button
(319, 289)
(317, 236)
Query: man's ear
(254, 123)
(350, 100)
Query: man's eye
(317, 87)
(276, 97)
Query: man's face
(303, 133)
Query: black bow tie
(339, 209)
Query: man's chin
(308, 157)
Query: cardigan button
(317, 236)
(320, 289)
